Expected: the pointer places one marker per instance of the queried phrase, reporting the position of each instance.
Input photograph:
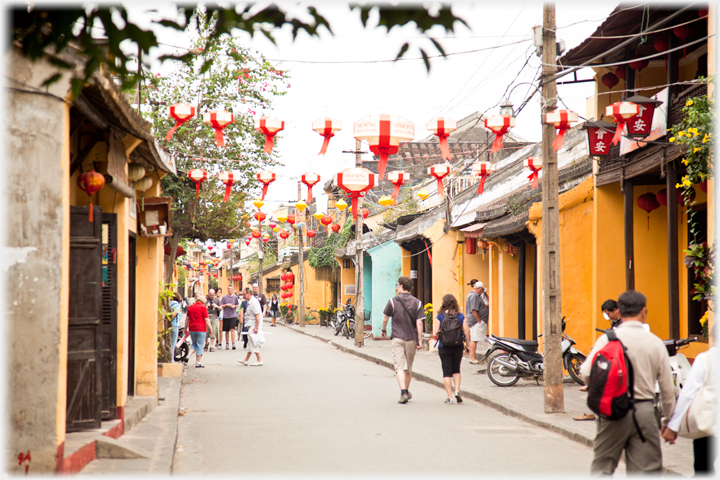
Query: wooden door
(132, 263)
(84, 376)
(109, 316)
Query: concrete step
(106, 447)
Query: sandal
(212, 349)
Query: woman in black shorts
(450, 357)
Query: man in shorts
(407, 327)
(477, 314)
(213, 307)
(229, 304)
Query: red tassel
(498, 143)
(325, 144)
(90, 216)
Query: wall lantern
(598, 135)
(641, 125)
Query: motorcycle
(520, 359)
(339, 320)
(182, 347)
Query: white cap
(479, 284)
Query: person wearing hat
(477, 314)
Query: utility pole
(359, 303)
(552, 328)
(301, 270)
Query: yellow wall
(712, 18)
(508, 292)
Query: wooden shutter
(109, 316)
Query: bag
(406, 310)
(699, 419)
(451, 332)
(611, 392)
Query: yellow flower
(671, 140)
(684, 161)
(706, 138)
(704, 319)
(688, 103)
(677, 185)
(695, 150)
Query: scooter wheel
(501, 375)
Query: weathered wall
(36, 262)
(386, 260)
(508, 294)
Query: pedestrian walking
(478, 315)
(218, 329)
(243, 325)
(637, 433)
(452, 329)
(213, 306)
(253, 319)
(229, 304)
(408, 317)
(261, 298)
(197, 323)
(176, 306)
(274, 309)
(701, 376)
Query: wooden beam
(672, 252)
(628, 205)
(130, 142)
(84, 106)
(86, 150)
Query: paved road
(314, 409)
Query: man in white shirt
(254, 321)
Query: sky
(349, 75)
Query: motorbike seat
(524, 343)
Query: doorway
(132, 259)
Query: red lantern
(288, 286)
(291, 219)
(91, 182)
(470, 246)
(256, 233)
(210, 247)
(282, 277)
(639, 65)
(311, 233)
(266, 178)
(260, 216)
(442, 128)
(284, 234)
(682, 32)
(265, 239)
(641, 124)
(621, 112)
(218, 120)
(290, 276)
(384, 133)
(228, 179)
(356, 181)
(198, 176)
(335, 227)
(326, 220)
(181, 112)
(661, 197)
(599, 133)
(561, 119)
(703, 186)
(610, 80)
(309, 179)
(621, 72)
(247, 242)
(499, 125)
(440, 171)
(535, 165)
(272, 225)
(662, 44)
(397, 178)
(327, 128)
(289, 294)
(648, 202)
(483, 170)
(365, 212)
(269, 126)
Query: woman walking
(197, 323)
(452, 352)
(175, 305)
(274, 308)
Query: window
(273, 285)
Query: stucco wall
(386, 260)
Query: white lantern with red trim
(483, 170)
(269, 126)
(384, 133)
(499, 125)
(598, 135)
(198, 176)
(442, 128)
(219, 119)
(181, 112)
(266, 178)
(327, 128)
(397, 178)
(641, 125)
(439, 171)
(309, 179)
(356, 182)
(535, 165)
(620, 112)
(561, 119)
(228, 178)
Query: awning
(474, 231)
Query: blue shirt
(441, 317)
(176, 309)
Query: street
(314, 409)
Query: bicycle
(312, 317)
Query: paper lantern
(260, 216)
(661, 197)
(289, 294)
(648, 202)
(192, 244)
(228, 178)
(639, 65)
(265, 239)
(309, 179)
(272, 225)
(301, 205)
(284, 234)
(535, 165)
(384, 133)
(386, 201)
(256, 233)
(258, 203)
(335, 227)
(135, 172)
(318, 215)
(291, 219)
(341, 204)
(269, 126)
(218, 120)
(143, 184)
(365, 212)
(662, 44)
(290, 276)
(326, 220)
(198, 176)
(682, 32)
(91, 182)
(561, 119)
(356, 182)
(423, 194)
(470, 246)
(641, 124)
(483, 170)
(327, 128)
(210, 247)
(282, 218)
(499, 125)
(397, 178)
(442, 128)
(181, 113)
(266, 178)
(598, 134)
(283, 277)
(621, 112)
(610, 80)
(276, 228)
(311, 233)
(439, 171)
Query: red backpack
(611, 386)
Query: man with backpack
(407, 329)
(620, 373)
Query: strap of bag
(631, 381)
(405, 308)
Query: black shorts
(229, 324)
(450, 358)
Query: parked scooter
(182, 347)
(520, 358)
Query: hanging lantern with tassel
(218, 120)
(442, 128)
(141, 186)
(269, 126)
(397, 178)
(356, 181)
(91, 182)
(483, 170)
(439, 171)
(327, 128)
(198, 176)
(535, 165)
(181, 113)
(384, 133)
(648, 202)
(621, 112)
(228, 179)
(309, 179)
(266, 178)
(561, 119)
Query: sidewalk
(524, 400)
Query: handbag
(699, 419)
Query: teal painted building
(381, 270)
